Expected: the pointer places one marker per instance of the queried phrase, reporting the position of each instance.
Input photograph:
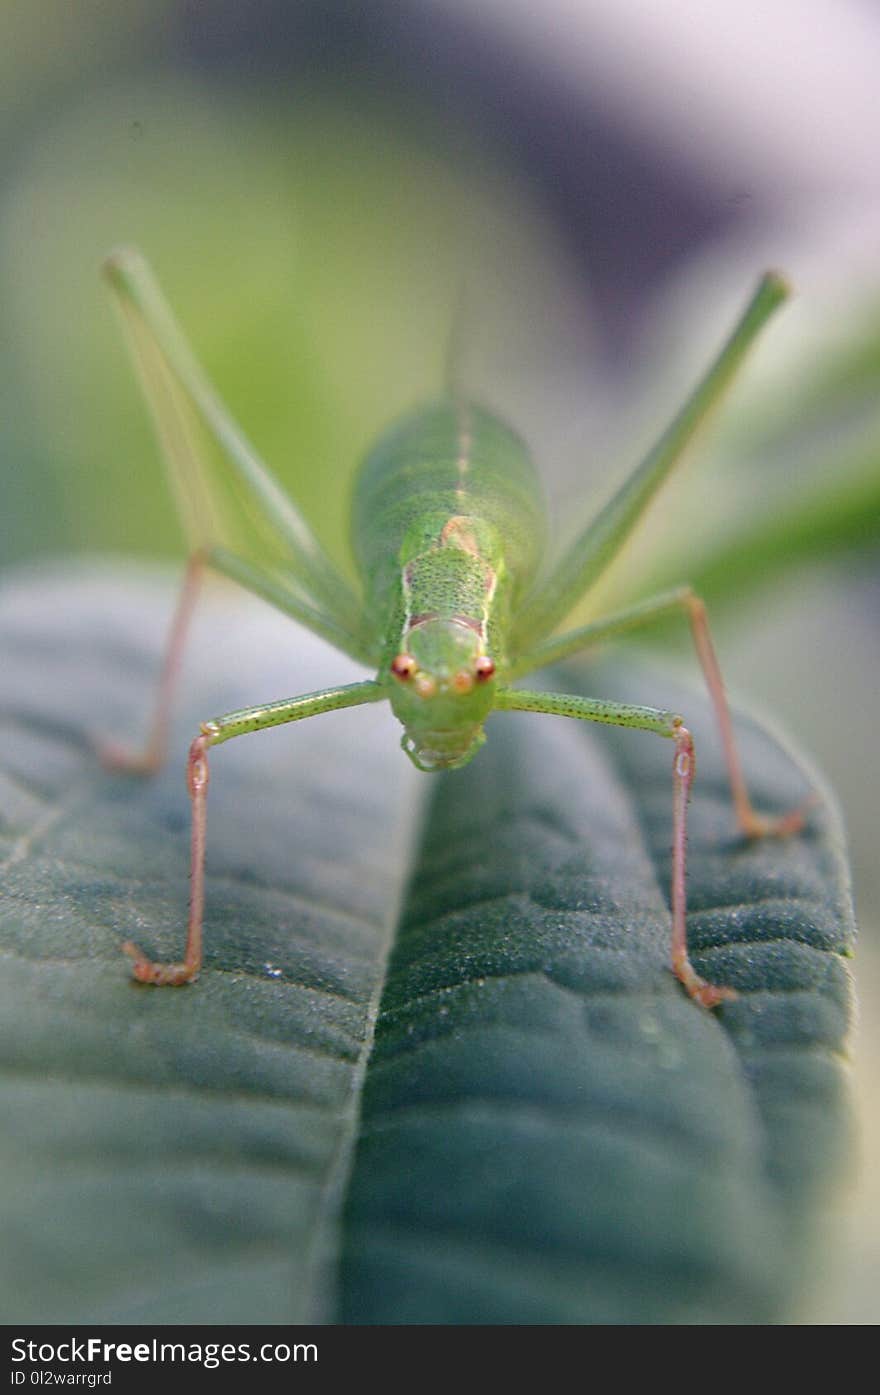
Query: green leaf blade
(211, 1121)
(545, 1128)
(535, 1059)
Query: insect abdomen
(438, 468)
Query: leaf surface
(435, 1069)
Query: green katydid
(447, 534)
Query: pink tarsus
(144, 969)
(683, 771)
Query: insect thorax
(449, 472)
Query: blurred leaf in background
(320, 295)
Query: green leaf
(543, 1129)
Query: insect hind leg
(752, 824)
(146, 760)
(682, 600)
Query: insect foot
(783, 826)
(160, 975)
(708, 995)
(126, 760)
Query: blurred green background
(320, 185)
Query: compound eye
(403, 667)
(484, 668)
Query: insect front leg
(683, 600)
(667, 724)
(683, 771)
(147, 760)
(143, 968)
(212, 733)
